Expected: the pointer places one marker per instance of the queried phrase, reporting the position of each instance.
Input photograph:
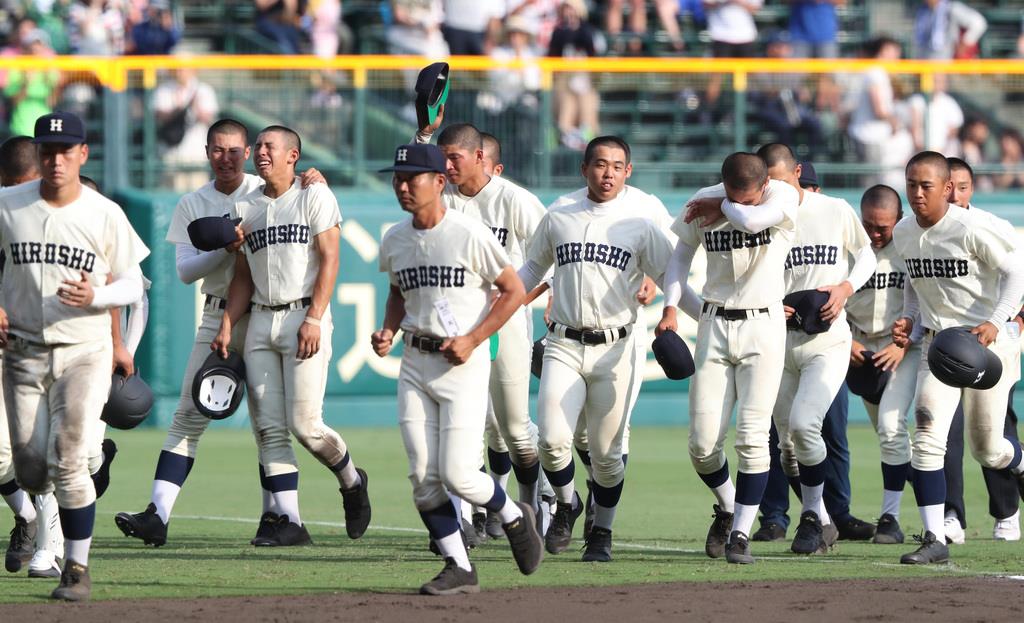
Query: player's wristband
(313, 321)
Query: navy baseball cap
(431, 92)
(210, 233)
(673, 356)
(59, 127)
(418, 158)
(808, 176)
(807, 306)
(868, 381)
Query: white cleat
(1007, 529)
(43, 565)
(954, 531)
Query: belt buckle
(426, 344)
(591, 338)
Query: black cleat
(888, 531)
(469, 534)
(930, 551)
(599, 545)
(854, 529)
(523, 538)
(809, 538)
(560, 532)
(75, 584)
(101, 479)
(480, 526)
(266, 530)
(146, 525)
(718, 533)
(769, 531)
(452, 580)
(737, 550)
(357, 506)
(286, 533)
(22, 544)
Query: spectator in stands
(940, 116)
(539, 16)
(733, 33)
(185, 107)
(31, 93)
(576, 99)
(513, 87)
(281, 21)
(973, 140)
(472, 26)
(945, 29)
(96, 28)
(323, 32)
(875, 126)
(15, 43)
(813, 28)
(416, 29)
(1011, 146)
(783, 103)
(157, 33)
(667, 10)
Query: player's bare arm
(239, 296)
(122, 358)
(708, 210)
(536, 292)
(511, 292)
(326, 277)
(394, 311)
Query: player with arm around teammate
(965, 268)
(741, 335)
(442, 265)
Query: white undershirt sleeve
(124, 290)
(193, 264)
(676, 274)
(532, 274)
(752, 219)
(138, 316)
(1011, 271)
(863, 267)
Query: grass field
(659, 530)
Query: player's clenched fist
(668, 321)
(382, 341)
(222, 341)
(458, 350)
(648, 290)
(309, 340)
(76, 293)
(901, 331)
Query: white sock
(823, 515)
(48, 536)
(268, 501)
(545, 517)
(451, 547)
(565, 493)
(164, 495)
(891, 502)
(347, 476)
(528, 494)
(744, 518)
(509, 512)
(604, 516)
(811, 497)
(287, 503)
(502, 480)
(467, 511)
(21, 505)
(934, 518)
(77, 551)
(725, 493)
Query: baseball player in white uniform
(227, 150)
(601, 252)
(965, 268)
(287, 271)
(62, 241)
(871, 312)
(442, 265)
(828, 232)
(741, 334)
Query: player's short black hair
(291, 136)
(88, 181)
(491, 142)
(959, 164)
(874, 46)
(882, 196)
(17, 158)
(777, 153)
(606, 141)
(227, 126)
(932, 158)
(463, 135)
(743, 171)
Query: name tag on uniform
(447, 316)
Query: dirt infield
(945, 599)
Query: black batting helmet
(129, 403)
(219, 385)
(958, 359)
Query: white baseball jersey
(640, 204)
(47, 245)
(280, 240)
(510, 211)
(878, 303)
(208, 201)
(745, 271)
(451, 265)
(600, 253)
(953, 265)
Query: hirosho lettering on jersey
(75, 258)
(884, 280)
(937, 268)
(430, 277)
(733, 239)
(819, 254)
(607, 254)
(292, 233)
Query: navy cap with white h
(59, 127)
(418, 158)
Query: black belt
(425, 343)
(215, 301)
(733, 314)
(590, 337)
(299, 304)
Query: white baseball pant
(890, 415)
(6, 459)
(510, 390)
